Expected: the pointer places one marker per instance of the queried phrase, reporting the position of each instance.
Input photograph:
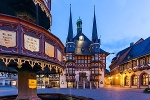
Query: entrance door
(82, 76)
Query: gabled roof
(103, 52)
(119, 57)
(140, 48)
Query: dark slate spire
(70, 29)
(94, 31)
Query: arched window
(144, 79)
(126, 81)
(134, 80)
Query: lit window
(126, 81)
(144, 79)
(134, 80)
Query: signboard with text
(7, 38)
(31, 43)
(32, 83)
(49, 49)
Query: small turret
(79, 26)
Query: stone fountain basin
(50, 96)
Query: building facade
(131, 66)
(85, 60)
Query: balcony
(28, 40)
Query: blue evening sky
(119, 22)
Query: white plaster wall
(87, 74)
(101, 79)
(3, 82)
(63, 78)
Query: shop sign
(32, 83)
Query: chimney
(131, 44)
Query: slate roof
(103, 52)
(140, 48)
(82, 47)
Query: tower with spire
(70, 46)
(95, 46)
(85, 60)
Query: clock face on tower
(81, 38)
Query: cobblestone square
(109, 93)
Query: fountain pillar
(24, 92)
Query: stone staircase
(80, 85)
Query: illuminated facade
(85, 60)
(131, 66)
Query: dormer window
(81, 38)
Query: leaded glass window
(144, 79)
(134, 80)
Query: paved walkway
(108, 93)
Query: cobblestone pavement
(109, 93)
